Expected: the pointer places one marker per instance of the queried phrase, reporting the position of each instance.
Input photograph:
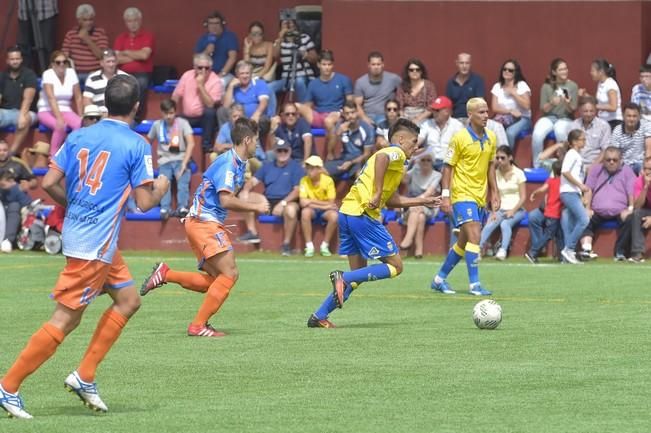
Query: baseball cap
(441, 102)
(282, 144)
(314, 161)
(92, 110)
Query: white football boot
(87, 392)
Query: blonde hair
(474, 103)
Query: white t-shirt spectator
(602, 98)
(437, 139)
(574, 164)
(510, 188)
(507, 101)
(62, 91)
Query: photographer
(291, 39)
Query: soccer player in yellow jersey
(361, 233)
(469, 168)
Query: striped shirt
(303, 67)
(80, 53)
(632, 145)
(44, 9)
(642, 97)
(96, 85)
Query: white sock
(324, 244)
(309, 245)
(586, 247)
(437, 279)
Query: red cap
(441, 102)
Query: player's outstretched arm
(232, 202)
(397, 200)
(52, 185)
(148, 196)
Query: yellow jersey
(356, 201)
(324, 190)
(470, 157)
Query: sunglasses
(202, 68)
(612, 159)
(256, 33)
(392, 108)
(93, 118)
(290, 113)
(61, 62)
(414, 69)
(425, 160)
(500, 158)
(511, 70)
(282, 150)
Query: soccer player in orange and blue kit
(101, 164)
(204, 227)
(469, 168)
(361, 233)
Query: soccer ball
(487, 314)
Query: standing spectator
(317, 199)
(374, 89)
(294, 130)
(558, 101)
(291, 40)
(17, 90)
(511, 101)
(175, 143)
(609, 97)
(85, 43)
(135, 52)
(97, 80)
(59, 87)
(464, 85)
(511, 186)
(357, 139)
(641, 222)
(633, 137)
(219, 43)
(259, 52)
(436, 133)
(422, 181)
(597, 131)
(575, 195)
(198, 92)
(417, 93)
(41, 14)
(392, 114)
(641, 93)
(611, 199)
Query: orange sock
(217, 294)
(190, 280)
(39, 349)
(107, 332)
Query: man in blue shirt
(219, 43)
(464, 85)
(292, 129)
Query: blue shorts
(9, 117)
(364, 236)
(467, 211)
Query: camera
(287, 14)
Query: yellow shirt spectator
(324, 190)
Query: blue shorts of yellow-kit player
(365, 236)
(467, 211)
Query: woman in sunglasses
(392, 114)
(60, 86)
(511, 184)
(259, 52)
(511, 101)
(416, 93)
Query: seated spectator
(612, 199)
(97, 80)
(224, 141)
(37, 156)
(416, 93)
(500, 132)
(259, 53)
(511, 184)
(575, 196)
(294, 130)
(280, 178)
(198, 92)
(436, 133)
(291, 40)
(464, 85)
(92, 115)
(633, 137)
(374, 89)
(135, 53)
(545, 221)
(597, 131)
(608, 97)
(17, 90)
(357, 140)
(392, 114)
(317, 200)
(555, 152)
(511, 101)
(219, 43)
(175, 143)
(421, 181)
(85, 43)
(326, 96)
(641, 221)
(558, 102)
(641, 93)
(59, 87)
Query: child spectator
(545, 221)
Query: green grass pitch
(571, 355)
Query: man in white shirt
(436, 133)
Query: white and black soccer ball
(487, 314)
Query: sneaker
(501, 254)
(570, 256)
(285, 250)
(13, 405)
(6, 247)
(442, 287)
(87, 392)
(249, 238)
(204, 331)
(588, 255)
(325, 251)
(532, 259)
(619, 257)
(338, 287)
(164, 214)
(309, 251)
(182, 212)
(315, 322)
(155, 279)
(638, 258)
(478, 290)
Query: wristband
(630, 208)
(445, 193)
(283, 202)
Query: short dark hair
(375, 55)
(350, 104)
(14, 49)
(327, 55)
(631, 106)
(645, 68)
(167, 105)
(121, 94)
(403, 124)
(243, 128)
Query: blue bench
(270, 219)
(536, 175)
(168, 86)
(318, 132)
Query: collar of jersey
(475, 137)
